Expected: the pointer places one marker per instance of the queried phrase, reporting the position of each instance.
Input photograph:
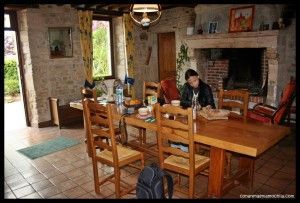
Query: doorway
(16, 115)
(166, 55)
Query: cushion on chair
(200, 161)
(253, 116)
(169, 90)
(123, 153)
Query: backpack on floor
(150, 183)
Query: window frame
(102, 18)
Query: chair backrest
(99, 122)
(151, 89)
(178, 130)
(287, 97)
(169, 89)
(233, 99)
(88, 93)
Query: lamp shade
(139, 13)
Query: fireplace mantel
(261, 39)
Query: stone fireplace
(238, 60)
(234, 68)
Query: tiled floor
(68, 173)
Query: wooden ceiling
(120, 9)
(100, 9)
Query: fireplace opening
(241, 68)
(245, 69)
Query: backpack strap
(169, 182)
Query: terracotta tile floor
(68, 173)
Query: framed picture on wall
(60, 42)
(241, 19)
(212, 27)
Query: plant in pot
(180, 61)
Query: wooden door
(166, 55)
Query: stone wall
(280, 53)
(45, 77)
(172, 20)
(263, 13)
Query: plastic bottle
(195, 107)
(119, 94)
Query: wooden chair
(232, 100)
(179, 130)
(88, 93)
(149, 89)
(113, 155)
(92, 94)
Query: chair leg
(96, 176)
(191, 187)
(117, 183)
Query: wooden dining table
(247, 138)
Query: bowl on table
(175, 102)
(143, 111)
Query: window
(102, 48)
(6, 21)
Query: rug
(48, 147)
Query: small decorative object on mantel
(281, 24)
(275, 26)
(212, 27)
(200, 30)
(241, 19)
(190, 30)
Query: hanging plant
(180, 61)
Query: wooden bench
(63, 115)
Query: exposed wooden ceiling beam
(106, 12)
(19, 6)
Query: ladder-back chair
(179, 130)
(149, 89)
(113, 154)
(237, 101)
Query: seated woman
(194, 89)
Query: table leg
(216, 172)
(247, 164)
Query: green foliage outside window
(100, 53)
(11, 78)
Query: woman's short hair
(189, 73)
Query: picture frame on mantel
(241, 19)
(212, 27)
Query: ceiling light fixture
(145, 14)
